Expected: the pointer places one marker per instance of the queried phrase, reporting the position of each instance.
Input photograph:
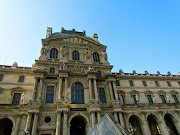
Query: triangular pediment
(73, 39)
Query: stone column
(162, 125)
(28, 123)
(145, 126)
(35, 88)
(99, 115)
(34, 129)
(110, 89)
(90, 88)
(121, 119)
(115, 91)
(92, 119)
(60, 88)
(58, 123)
(17, 125)
(95, 89)
(66, 85)
(40, 89)
(177, 122)
(65, 123)
(115, 116)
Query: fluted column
(115, 91)
(66, 85)
(145, 126)
(28, 123)
(35, 88)
(177, 122)
(60, 88)
(65, 123)
(99, 116)
(58, 123)
(17, 125)
(95, 89)
(110, 89)
(34, 129)
(162, 125)
(90, 89)
(121, 119)
(40, 89)
(92, 119)
(115, 116)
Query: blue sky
(139, 34)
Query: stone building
(71, 87)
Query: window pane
(50, 94)
(163, 99)
(1, 77)
(175, 99)
(131, 83)
(150, 99)
(16, 98)
(102, 95)
(168, 83)
(144, 83)
(96, 57)
(157, 84)
(54, 53)
(135, 101)
(117, 83)
(21, 79)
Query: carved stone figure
(134, 71)
(137, 98)
(15, 64)
(63, 66)
(121, 99)
(154, 99)
(104, 55)
(64, 51)
(120, 71)
(168, 99)
(158, 73)
(22, 98)
(90, 68)
(87, 54)
(169, 73)
(146, 72)
(43, 51)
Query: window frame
(77, 93)
(117, 83)
(19, 98)
(102, 95)
(157, 83)
(1, 77)
(175, 97)
(164, 98)
(75, 55)
(151, 99)
(99, 73)
(51, 95)
(144, 83)
(96, 57)
(53, 53)
(131, 83)
(52, 72)
(169, 84)
(21, 79)
(123, 98)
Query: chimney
(95, 36)
(48, 32)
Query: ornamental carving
(76, 69)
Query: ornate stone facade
(72, 84)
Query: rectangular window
(157, 84)
(50, 94)
(135, 100)
(168, 83)
(102, 95)
(144, 83)
(121, 98)
(21, 79)
(163, 99)
(179, 83)
(117, 83)
(131, 83)
(16, 98)
(150, 99)
(1, 77)
(175, 99)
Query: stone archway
(153, 125)
(135, 123)
(170, 124)
(78, 125)
(6, 126)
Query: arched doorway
(6, 126)
(170, 125)
(78, 126)
(136, 128)
(153, 125)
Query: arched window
(75, 55)
(96, 57)
(98, 73)
(52, 71)
(77, 94)
(54, 53)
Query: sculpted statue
(90, 68)
(87, 54)
(158, 73)
(154, 99)
(15, 64)
(22, 98)
(63, 66)
(169, 73)
(168, 99)
(120, 71)
(43, 51)
(64, 51)
(104, 55)
(146, 72)
(137, 98)
(134, 71)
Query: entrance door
(77, 127)
(5, 126)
